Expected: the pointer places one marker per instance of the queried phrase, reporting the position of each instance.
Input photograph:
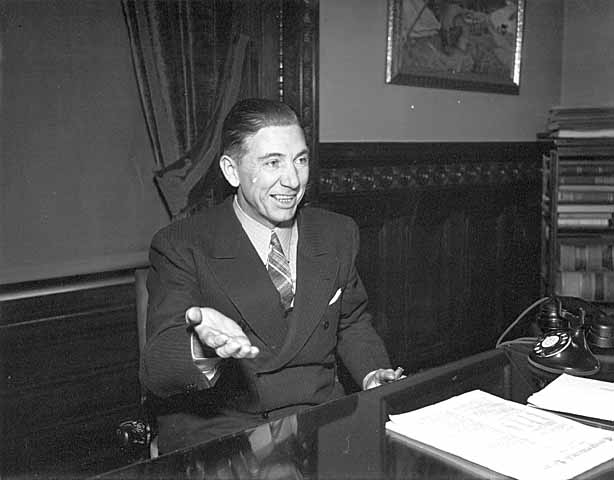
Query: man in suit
(252, 302)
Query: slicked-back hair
(250, 115)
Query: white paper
(579, 396)
(506, 437)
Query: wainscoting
(69, 374)
(449, 239)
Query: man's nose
(289, 177)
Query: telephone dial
(575, 335)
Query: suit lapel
(317, 270)
(242, 275)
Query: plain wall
(76, 167)
(357, 105)
(588, 56)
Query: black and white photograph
(306, 239)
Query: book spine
(585, 207)
(587, 188)
(586, 258)
(579, 133)
(582, 172)
(577, 149)
(592, 286)
(584, 222)
(586, 180)
(586, 215)
(585, 197)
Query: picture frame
(455, 44)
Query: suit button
(326, 325)
(191, 388)
(265, 415)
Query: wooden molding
(380, 167)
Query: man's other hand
(381, 376)
(220, 333)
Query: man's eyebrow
(266, 156)
(305, 151)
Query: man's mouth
(285, 199)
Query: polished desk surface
(346, 439)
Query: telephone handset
(570, 340)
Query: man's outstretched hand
(220, 333)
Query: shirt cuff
(204, 360)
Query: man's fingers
(193, 316)
(249, 351)
(237, 348)
(381, 376)
(385, 376)
(253, 352)
(229, 349)
(215, 339)
(220, 333)
(389, 375)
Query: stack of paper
(578, 396)
(506, 437)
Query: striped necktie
(279, 271)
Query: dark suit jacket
(208, 260)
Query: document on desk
(578, 396)
(513, 439)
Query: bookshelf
(577, 221)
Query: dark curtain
(189, 58)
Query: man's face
(272, 175)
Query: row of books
(585, 182)
(585, 221)
(578, 194)
(582, 169)
(592, 257)
(586, 201)
(586, 271)
(586, 194)
(592, 286)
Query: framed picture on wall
(455, 44)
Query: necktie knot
(279, 271)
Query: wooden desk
(347, 438)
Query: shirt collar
(261, 235)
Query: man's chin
(284, 216)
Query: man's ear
(229, 168)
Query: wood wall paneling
(70, 374)
(449, 239)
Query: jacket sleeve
(360, 347)
(167, 366)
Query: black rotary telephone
(575, 334)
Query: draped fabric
(188, 58)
